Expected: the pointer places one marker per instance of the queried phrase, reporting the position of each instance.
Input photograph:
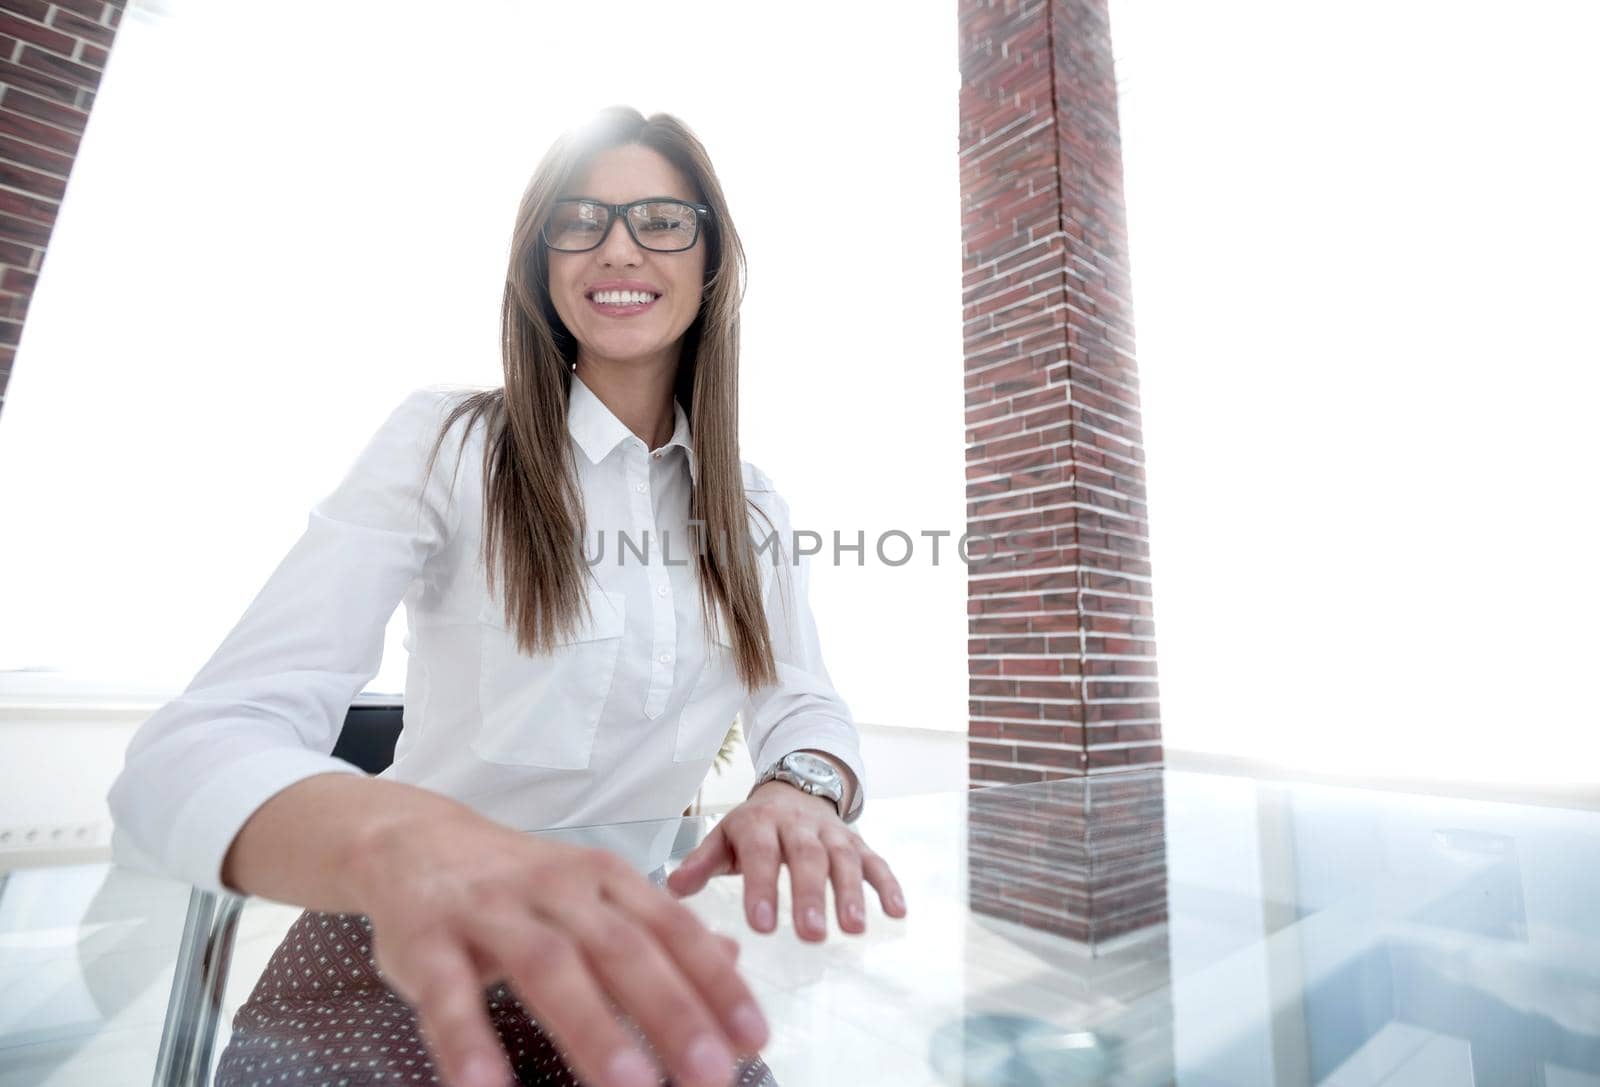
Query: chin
(623, 351)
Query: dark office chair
(371, 729)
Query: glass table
(1134, 929)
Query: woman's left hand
(780, 823)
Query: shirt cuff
(209, 821)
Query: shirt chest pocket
(545, 710)
(712, 704)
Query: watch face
(812, 767)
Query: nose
(618, 245)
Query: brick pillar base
(1082, 863)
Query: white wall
(1363, 255)
(1363, 267)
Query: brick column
(1061, 650)
(51, 58)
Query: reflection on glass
(1072, 874)
(1142, 930)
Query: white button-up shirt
(621, 722)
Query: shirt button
(656, 454)
(639, 487)
(661, 590)
(665, 658)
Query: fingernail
(630, 1068)
(855, 913)
(764, 918)
(751, 1027)
(898, 900)
(814, 920)
(483, 1071)
(709, 1059)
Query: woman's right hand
(460, 904)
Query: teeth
(622, 298)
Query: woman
(545, 688)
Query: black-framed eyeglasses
(661, 224)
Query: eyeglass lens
(662, 225)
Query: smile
(621, 303)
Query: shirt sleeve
(802, 710)
(266, 710)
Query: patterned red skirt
(322, 1014)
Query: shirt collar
(597, 431)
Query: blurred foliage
(729, 742)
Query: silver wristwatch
(809, 774)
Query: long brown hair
(533, 515)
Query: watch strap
(773, 772)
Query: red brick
(84, 29)
(29, 31)
(16, 123)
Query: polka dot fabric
(321, 1014)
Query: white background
(1363, 276)
(1364, 280)
(277, 227)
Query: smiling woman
(543, 690)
